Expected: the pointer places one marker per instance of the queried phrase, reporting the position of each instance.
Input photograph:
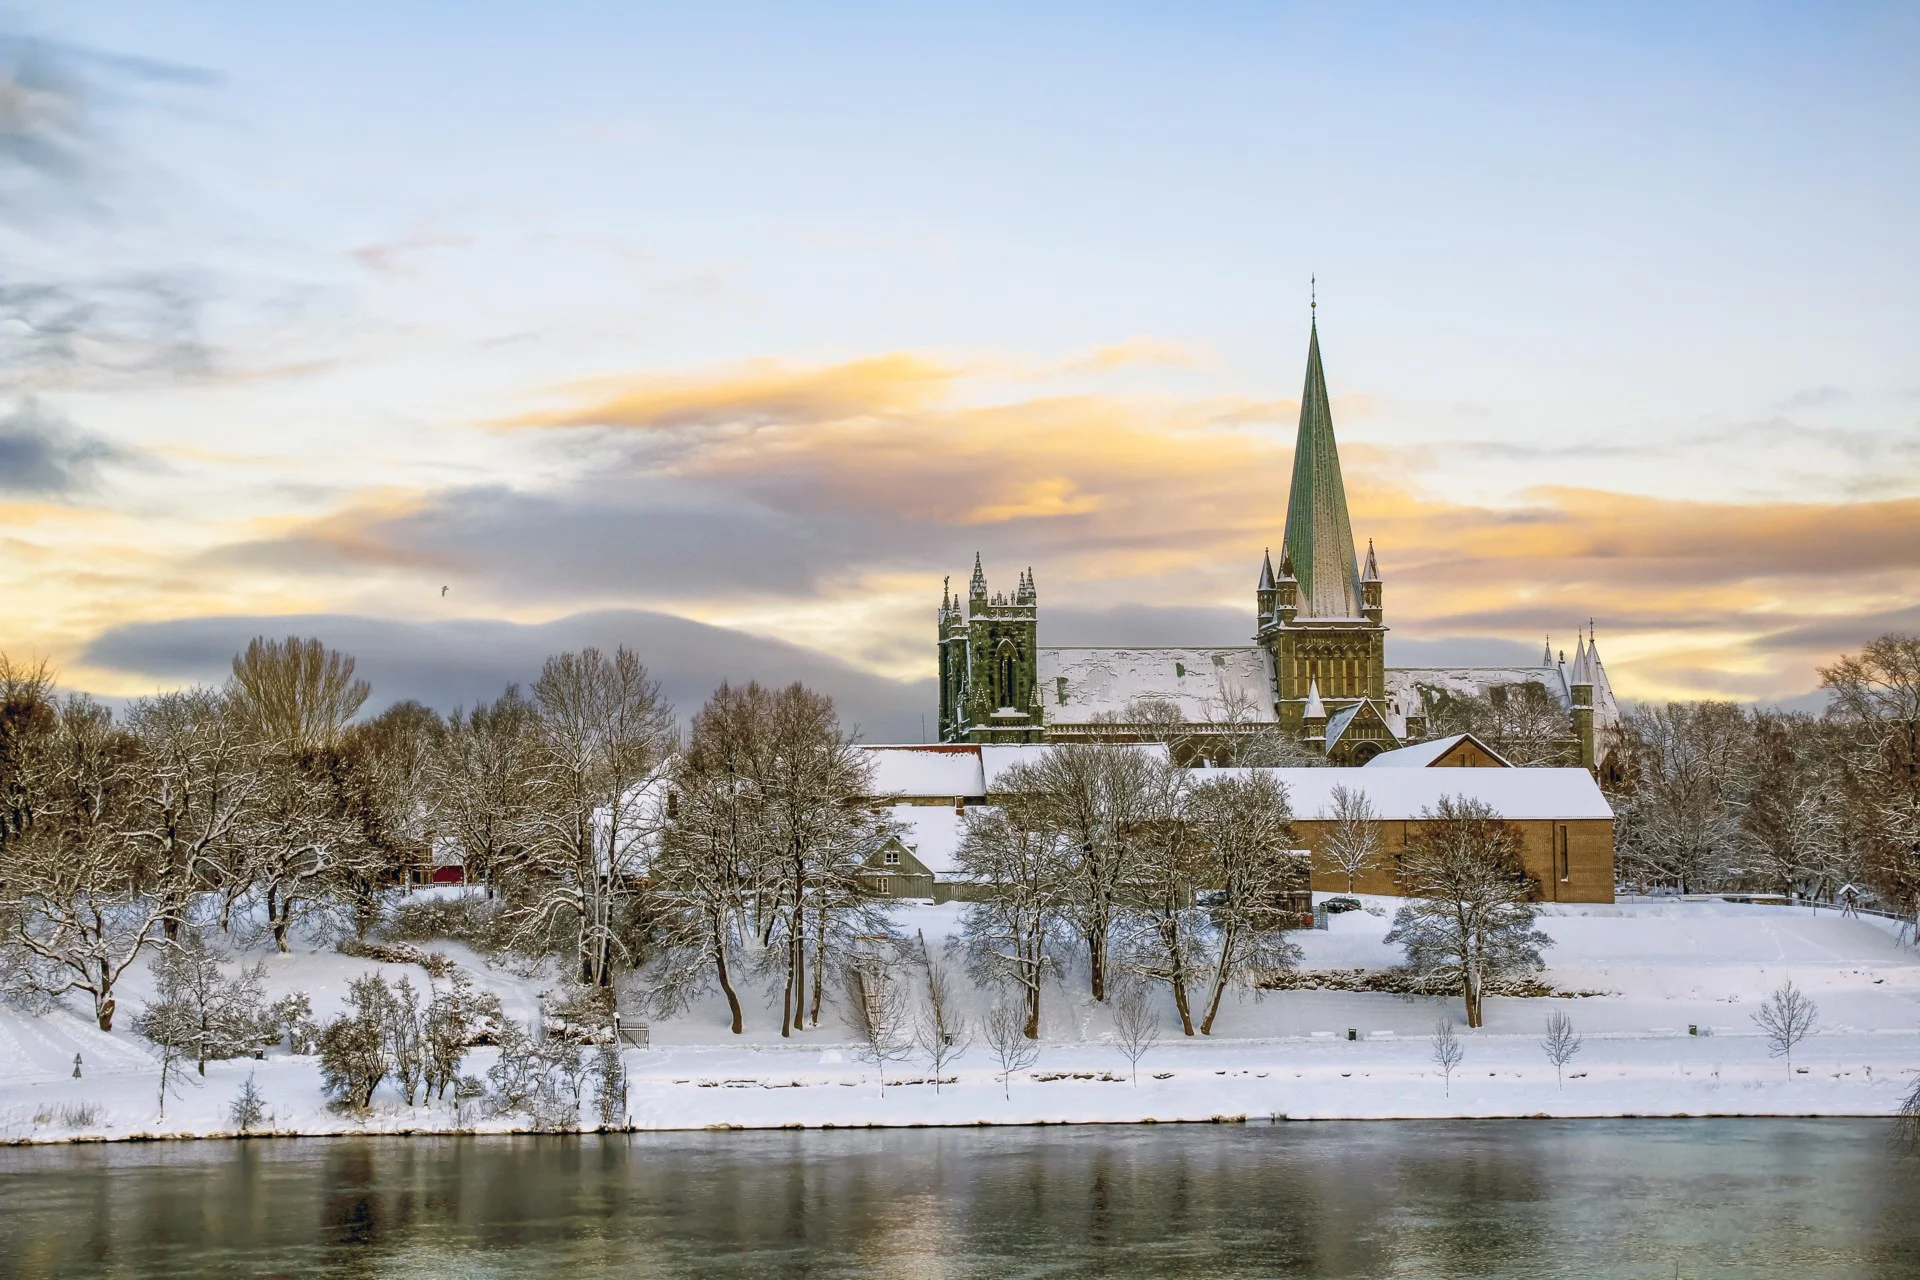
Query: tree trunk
(1180, 1002)
(726, 981)
(820, 961)
(1228, 941)
(1097, 963)
(103, 1013)
(1033, 1012)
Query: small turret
(1580, 694)
(1370, 607)
(1287, 601)
(977, 589)
(1266, 596)
(1313, 719)
(1546, 659)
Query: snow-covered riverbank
(1661, 967)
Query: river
(1640, 1198)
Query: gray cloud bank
(42, 455)
(455, 663)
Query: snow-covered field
(1661, 966)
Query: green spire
(1319, 535)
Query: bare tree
(1447, 1051)
(603, 736)
(72, 898)
(1009, 934)
(1876, 697)
(1099, 800)
(1471, 921)
(1353, 832)
(1786, 1018)
(216, 1017)
(1165, 934)
(819, 838)
(1245, 825)
(483, 784)
(1909, 1120)
(1136, 1025)
(190, 783)
(1689, 771)
(1562, 1042)
(296, 693)
(878, 1012)
(1006, 1028)
(939, 1027)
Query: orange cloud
(761, 392)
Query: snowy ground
(1662, 967)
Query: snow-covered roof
(1198, 681)
(946, 769)
(932, 832)
(995, 761)
(1422, 754)
(1402, 794)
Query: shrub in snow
(1447, 1051)
(353, 1050)
(1561, 1044)
(213, 1016)
(609, 1085)
(405, 1041)
(474, 920)
(457, 1016)
(877, 1012)
(1136, 1026)
(1006, 1028)
(248, 1108)
(938, 1027)
(1910, 1121)
(1786, 1019)
(436, 964)
(291, 1019)
(1471, 921)
(540, 1081)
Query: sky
(460, 334)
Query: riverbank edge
(1276, 1118)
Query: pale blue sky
(1652, 250)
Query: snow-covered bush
(538, 1080)
(248, 1108)
(475, 921)
(202, 1013)
(353, 1049)
(609, 1085)
(436, 964)
(457, 1016)
(291, 1019)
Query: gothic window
(1006, 675)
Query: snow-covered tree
(1786, 1018)
(1447, 1053)
(1009, 936)
(878, 1012)
(214, 1016)
(1006, 1029)
(1244, 825)
(1470, 921)
(1352, 840)
(939, 1028)
(1136, 1024)
(1560, 1044)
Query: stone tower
(989, 650)
(1321, 617)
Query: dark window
(893, 858)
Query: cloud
(1812, 397)
(455, 663)
(42, 455)
(1141, 353)
(106, 330)
(393, 257)
(763, 392)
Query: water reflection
(1524, 1198)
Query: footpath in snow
(1660, 968)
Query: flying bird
(443, 591)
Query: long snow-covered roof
(1198, 681)
(947, 769)
(1402, 794)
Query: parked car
(1336, 906)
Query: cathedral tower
(989, 650)
(1321, 619)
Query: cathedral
(1315, 673)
